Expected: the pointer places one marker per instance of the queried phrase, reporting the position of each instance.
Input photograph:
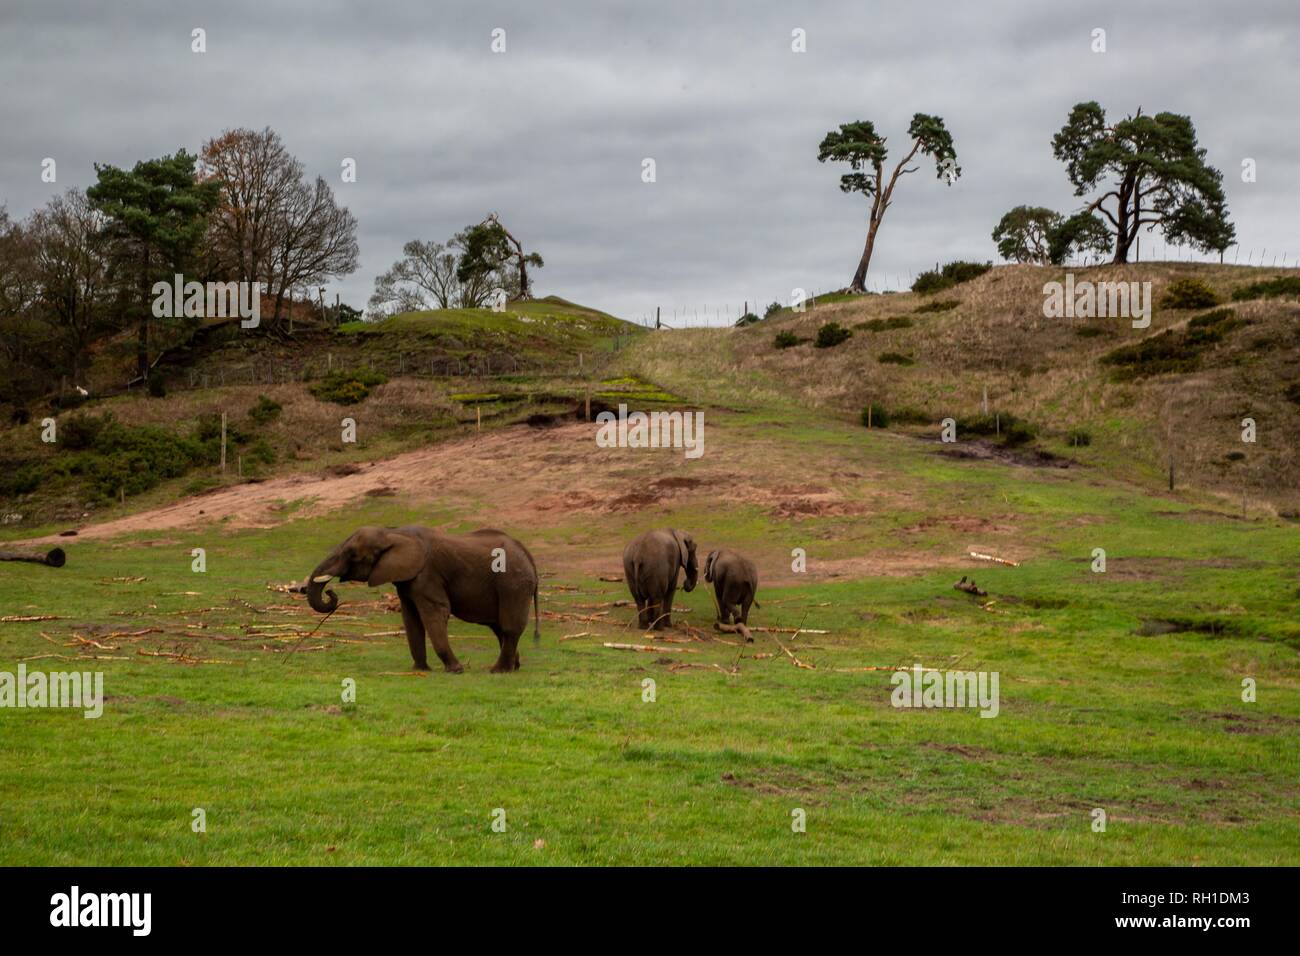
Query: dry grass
(1035, 367)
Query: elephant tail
(537, 617)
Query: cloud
(552, 133)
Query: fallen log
(24, 618)
(969, 587)
(54, 558)
(649, 648)
(989, 557)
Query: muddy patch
(1210, 626)
(988, 451)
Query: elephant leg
(508, 659)
(435, 617)
(644, 608)
(665, 615)
(414, 628)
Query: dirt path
(523, 477)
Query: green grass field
(1151, 728)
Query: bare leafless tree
(317, 241)
(70, 259)
(425, 274)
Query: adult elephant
(484, 577)
(650, 565)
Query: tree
(1153, 173)
(522, 261)
(71, 261)
(859, 145)
(488, 253)
(1024, 234)
(272, 225)
(1043, 236)
(257, 176)
(158, 213)
(22, 334)
(1080, 233)
(481, 264)
(425, 269)
(317, 240)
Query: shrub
(1161, 354)
(785, 339)
(78, 432)
(1078, 438)
(1172, 351)
(1269, 289)
(749, 318)
(882, 325)
(772, 309)
(261, 452)
(959, 271)
(1292, 392)
(895, 358)
(208, 433)
(347, 388)
(135, 459)
(1012, 430)
(954, 273)
(265, 411)
(875, 416)
(930, 281)
(941, 306)
(21, 481)
(157, 387)
(831, 334)
(1189, 293)
(1089, 331)
(1217, 317)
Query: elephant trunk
(316, 584)
(692, 573)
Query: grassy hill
(431, 375)
(923, 358)
(1121, 690)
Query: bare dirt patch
(522, 477)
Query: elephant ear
(402, 559)
(708, 565)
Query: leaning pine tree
(1151, 172)
(859, 145)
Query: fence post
(223, 443)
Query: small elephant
(484, 577)
(735, 582)
(650, 565)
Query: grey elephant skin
(651, 562)
(440, 575)
(735, 582)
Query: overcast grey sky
(551, 134)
